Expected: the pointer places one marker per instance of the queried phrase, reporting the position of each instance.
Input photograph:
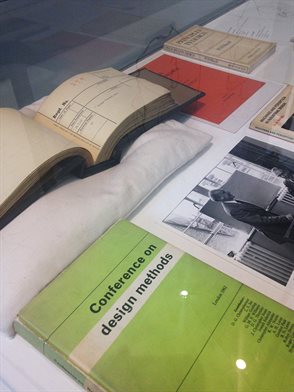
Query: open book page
(89, 107)
(27, 150)
(251, 236)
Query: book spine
(262, 58)
(54, 356)
(208, 59)
(28, 335)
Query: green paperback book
(134, 313)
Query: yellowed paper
(89, 107)
(25, 146)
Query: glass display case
(45, 42)
(193, 230)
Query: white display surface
(23, 369)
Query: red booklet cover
(225, 92)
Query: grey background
(44, 42)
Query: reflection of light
(241, 364)
(184, 293)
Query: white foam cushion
(58, 227)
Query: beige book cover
(277, 118)
(221, 48)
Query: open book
(81, 127)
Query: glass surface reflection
(241, 364)
(184, 293)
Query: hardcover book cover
(134, 313)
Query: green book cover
(134, 313)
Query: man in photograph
(279, 228)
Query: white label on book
(87, 353)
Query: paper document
(261, 19)
(84, 104)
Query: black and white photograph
(244, 208)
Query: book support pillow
(56, 229)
